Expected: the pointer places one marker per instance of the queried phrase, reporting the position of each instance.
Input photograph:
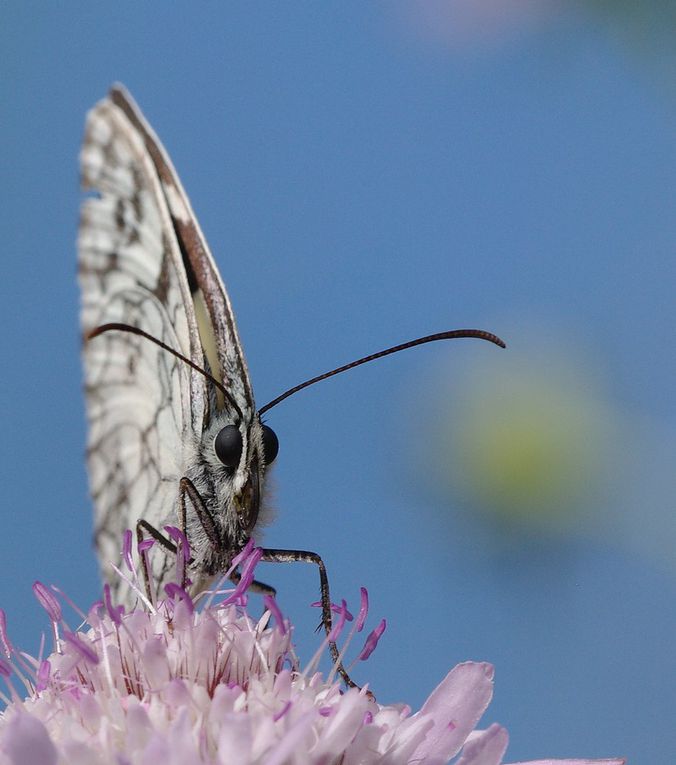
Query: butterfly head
(245, 453)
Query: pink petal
(619, 761)
(154, 655)
(486, 747)
(26, 741)
(454, 707)
(292, 741)
(235, 738)
(342, 726)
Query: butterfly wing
(217, 326)
(144, 262)
(145, 407)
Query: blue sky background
(367, 173)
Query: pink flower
(173, 684)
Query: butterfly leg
(141, 527)
(259, 587)
(187, 488)
(292, 556)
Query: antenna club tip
(478, 334)
(491, 337)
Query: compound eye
(270, 445)
(228, 446)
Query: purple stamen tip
(335, 609)
(248, 569)
(145, 544)
(342, 609)
(47, 600)
(6, 645)
(181, 540)
(271, 605)
(175, 591)
(363, 609)
(338, 628)
(5, 668)
(43, 675)
(115, 612)
(372, 641)
(244, 553)
(87, 653)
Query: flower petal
(27, 740)
(619, 761)
(486, 747)
(454, 707)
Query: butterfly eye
(270, 445)
(228, 446)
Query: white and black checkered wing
(144, 263)
(143, 404)
(145, 407)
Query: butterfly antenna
(118, 327)
(479, 334)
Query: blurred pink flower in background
(479, 27)
(465, 24)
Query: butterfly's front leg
(187, 488)
(143, 526)
(304, 556)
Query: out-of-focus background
(367, 173)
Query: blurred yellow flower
(526, 442)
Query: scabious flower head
(180, 683)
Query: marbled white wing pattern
(143, 262)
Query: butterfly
(175, 438)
